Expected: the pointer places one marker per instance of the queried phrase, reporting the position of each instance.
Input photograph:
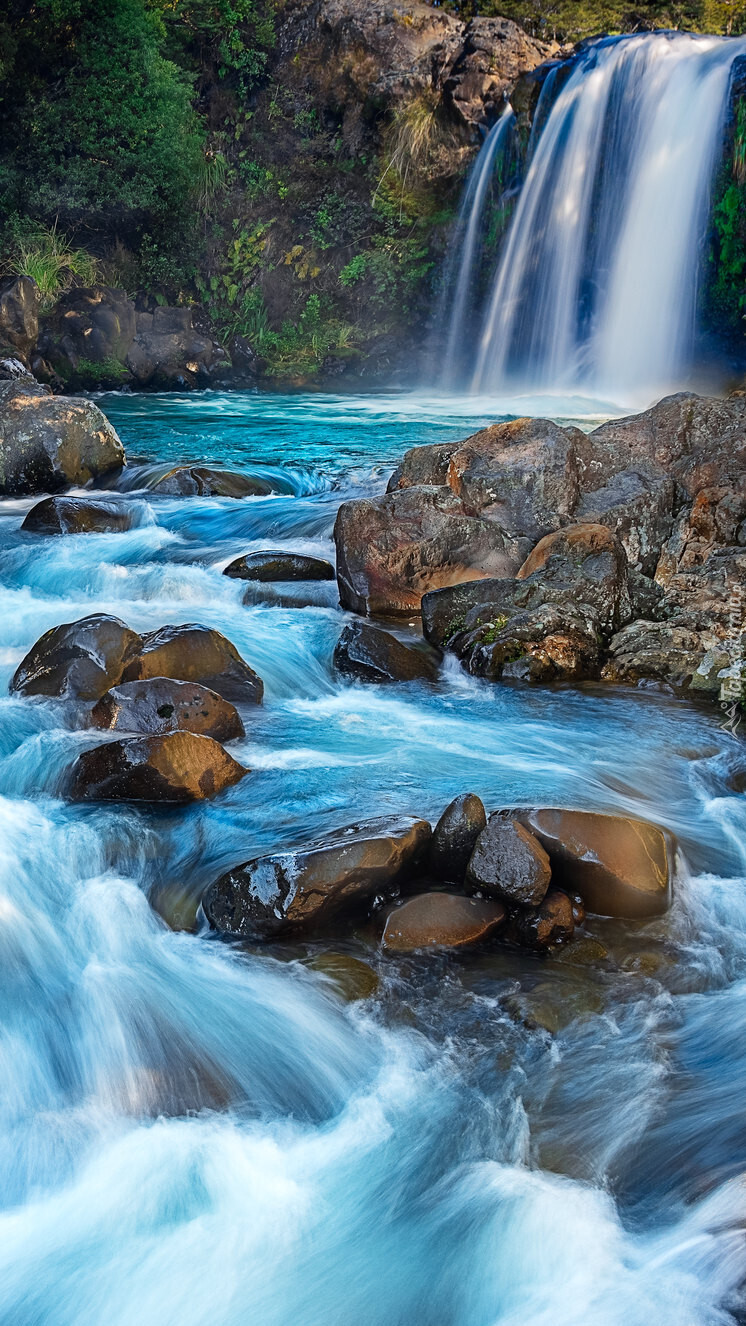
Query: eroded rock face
(495, 52)
(50, 442)
(79, 660)
(509, 863)
(346, 871)
(93, 324)
(179, 767)
(161, 705)
(203, 481)
(455, 837)
(268, 567)
(168, 353)
(441, 920)
(366, 653)
(19, 317)
(78, 515)
(196, 653)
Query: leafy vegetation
(573, 20)
(46, 255)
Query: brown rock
(455, 837)
(550, 923)
(509, 863)
(346, 871)
(441, 920)
(179, 767)
(167, 352)
(268, 567)
(78, 515)
(52, 442)
(196, 653)
(584, 563)
(162, 705)
(19, 316)
(79, 660)
(202, 481)
(95, 324)
(366, 653)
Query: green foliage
(299, 349)
(572, 20)
(48, 256)
(231, 37)
(725, 290)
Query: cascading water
(596, 287)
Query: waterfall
(596, 285)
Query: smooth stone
(192, 652)
(161, 705)
(353, 978)
(179, 767)
(78, 660)
(203, 481)
(455, 837)
(549, 923)
(366, 653)
(509, 863)
(78, 515)
(271, 566)
(441, 920)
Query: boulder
(620, 866)
(270, 566)
(79, 660)
(178, 767)
(89, 331)
(366, 653)
(509, 863)
(162, 705)
(50, 442)
(191, 652)
(345, 871)
(202, 481)
(494, 53)
(12, 370)
(441, 920)
(455, 837)
(552, 922)
(168, 353)
(19, 316)
(666, 652)
(78, 515)
(639, 512)
(392, 551)
(583, 564)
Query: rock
(162, 705)
(550, 923)
(191, 652)
(168, 353)
(78, 515)
(353, 978)
(50, 442)
(366, 653)
(509, 863)
(202, 481)
(345, 871)
(639, 512)
(271, 566)
(88, 332)
(12, 370)
(620, 866)
(392, 551)
(19, 316)
(441, 920)
(667, 652)
(79, 660)
(455, 837)
(178, 767)
(495, 52)
(583, 564)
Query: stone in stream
(192, 652)
(179, 767)
(78, 515)
(346, 871)
(509, 863)
(550, 923)
(78, 660)
(203, 481)
(161, 705)
(267, 567)
(441, 920)
(455, 837)
(620, 866)
(51, 442)
(367, 653)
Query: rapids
(196, 1133)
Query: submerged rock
(203, 481)
(79, 660)
(367, 653)
(455, 837)
(441, 920)
(52, 442)
(353, 978)
(78, 515)
(161, 705)
(346, 871)
(270, 566)
(179, 767)
(508, 862)
(191, 652)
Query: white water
(596, 287)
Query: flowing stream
(193, 1132)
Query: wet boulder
(78, 515)
(620, 866)
(268, 567)
(344, 872)
(552, 922)
(455, 837)
(441, 920)
(204, 481)
(638, 510)
(178, 767)
(583, 564)
(366, 653)
(19, 316)
(162, 705)
(509, 863)
(191, 652)
(52, 442)
(79, 660)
